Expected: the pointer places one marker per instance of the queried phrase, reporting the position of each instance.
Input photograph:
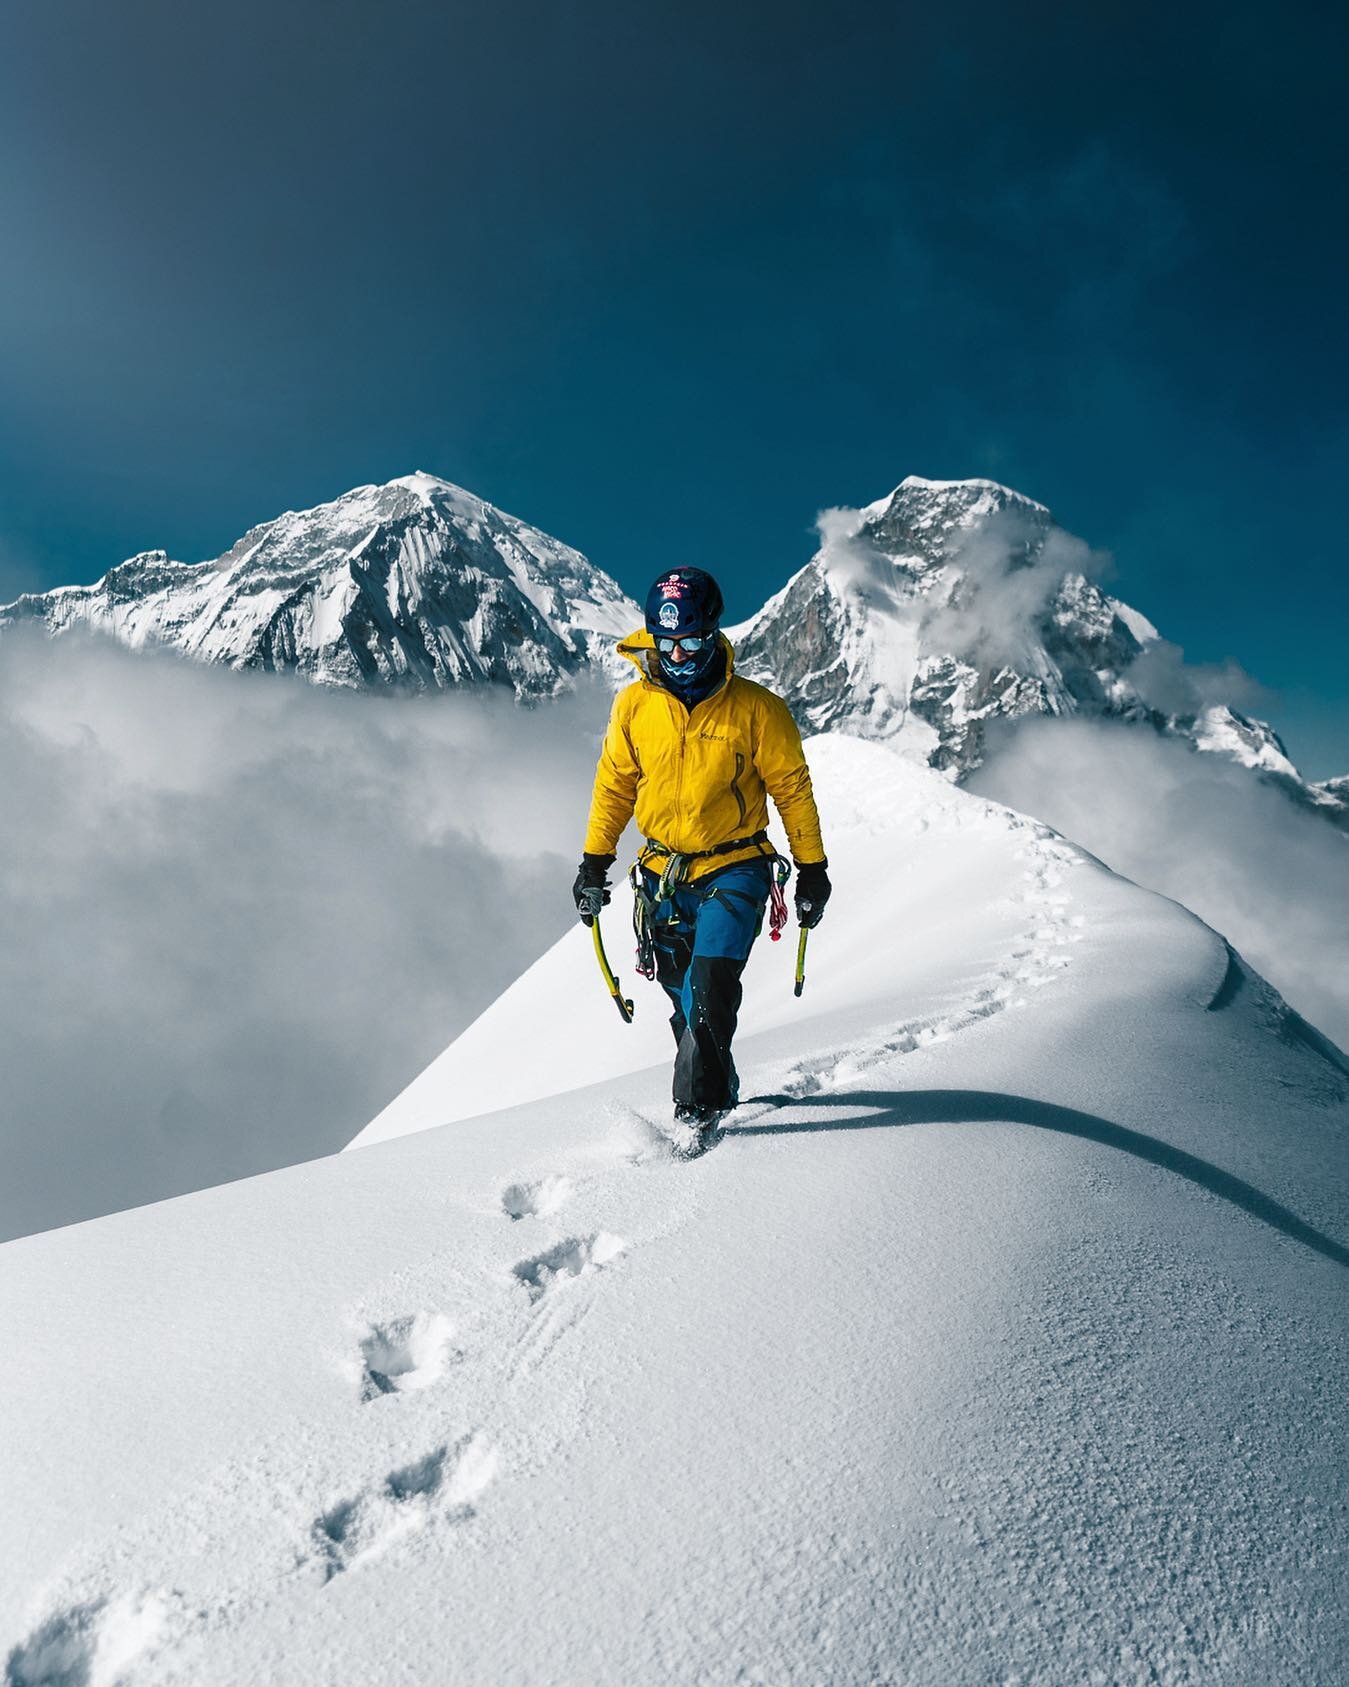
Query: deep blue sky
(667, 279)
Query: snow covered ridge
(1004, 1338)
(416, 583)
(926, 618)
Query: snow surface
(1253, 744)
(1003, 1339)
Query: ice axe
(621, 1002)
(800, 984)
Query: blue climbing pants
(703, 935)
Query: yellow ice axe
(621, 1002)
(801, 961)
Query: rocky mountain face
(415, 583)
(930, 616)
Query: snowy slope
(1003, 1339)
(416, 583)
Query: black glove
(812, 892)
(591, 889)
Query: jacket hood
(640, 647)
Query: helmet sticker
(674, 588)
(669, 615)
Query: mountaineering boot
(696, 1129)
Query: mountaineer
(695, 751)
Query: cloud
(239, 913)
(1271, 877)
(852, 558)
(1010, 578)
(1165, 680)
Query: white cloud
(1273, 878)
(239, 913)
(1165, 680)
(1009, 582)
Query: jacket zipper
(683, 746)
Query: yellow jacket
(702, 776)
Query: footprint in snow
(575, 1257)
(445, 1484)
(404, 1354)
(536, 1200)
(86, 1645)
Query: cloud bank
(1271, 877)
(1168, 683)
(238, 913)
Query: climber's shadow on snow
(947, 1107)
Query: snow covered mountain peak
(931, 514)
(415, 582)
(932, 610)
(946, 607)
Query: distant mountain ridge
(925, 619)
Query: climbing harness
(676, 870)
(621, 1002)
(674, 875)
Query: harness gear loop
(643, 923)
(673, 876)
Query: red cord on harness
(777, 913)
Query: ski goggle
(690, 646)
